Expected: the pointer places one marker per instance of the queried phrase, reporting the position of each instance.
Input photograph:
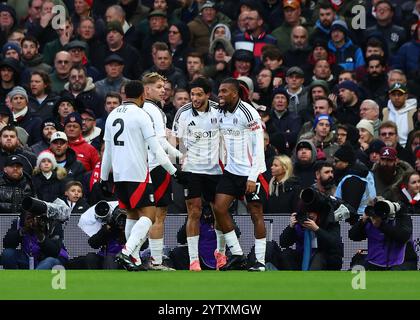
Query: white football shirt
(126, 129)
(159, 123)
(200, 135)
(243, 136)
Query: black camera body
(315, 201)
(383, 209)
(115, 218)
(34, 206)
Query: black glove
(180, 177)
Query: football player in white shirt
(154, 93)
(243, 135)
(128, 134)
(196, 128)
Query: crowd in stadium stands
(339, 107)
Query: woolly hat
(46, 155)
(280, 90)
(248, 82)
(11, 46)
(388, 153)
(322, 117)
(340, 25)
(18, 91)
(375, 146)
(73, 117)
(367, 125)
(114, 26)
(345, 153)
(349, 85)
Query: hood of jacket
(313, 149)
(410, 104)
(89, 85)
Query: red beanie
(89, 3)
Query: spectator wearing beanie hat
(348, 110)
(48, 127)
(373, 152)
(282, 120)
(389, 169)
(348, 55)
(22, 116)
(85, 153)
(355, 183)
(366, 133)
(11, 50)
(48, 178)
(322, 136)
(304, 158)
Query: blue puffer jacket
(408, 57)
(349, 56)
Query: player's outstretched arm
(160, 154)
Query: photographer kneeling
(40, 238)
(388, 228)
(104, 223)
(315, 232)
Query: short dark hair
(376, 57)
(134, 89)
(113, 94)
(326, 5)
(8, 127)
(72, 184)
(195, 54)
(233, 82)
(319, 165)
(30, 39)
(79, 67)
(45, 78)
(201, 82)
(330, 103)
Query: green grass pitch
(206, 285)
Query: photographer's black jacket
(386, 244)
(328, 238)
(52, 246)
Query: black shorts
(200, 184)
(235, 185)
(133, 195)
(161, 181)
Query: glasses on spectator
(384, 134)
(173, 32)
(87, 119)
(63, 61)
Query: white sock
(156, 250)
(138, 235)
(193, 248)
(136, 254)
(233, 243)
(260, 245)
(221, 243)
(129, 224)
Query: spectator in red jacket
(85, 153)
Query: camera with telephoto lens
(56, 210)
(384, 209)
(34, 206)
(115, 218)
(315, 201)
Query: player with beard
(243, 135)
(388, 170)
